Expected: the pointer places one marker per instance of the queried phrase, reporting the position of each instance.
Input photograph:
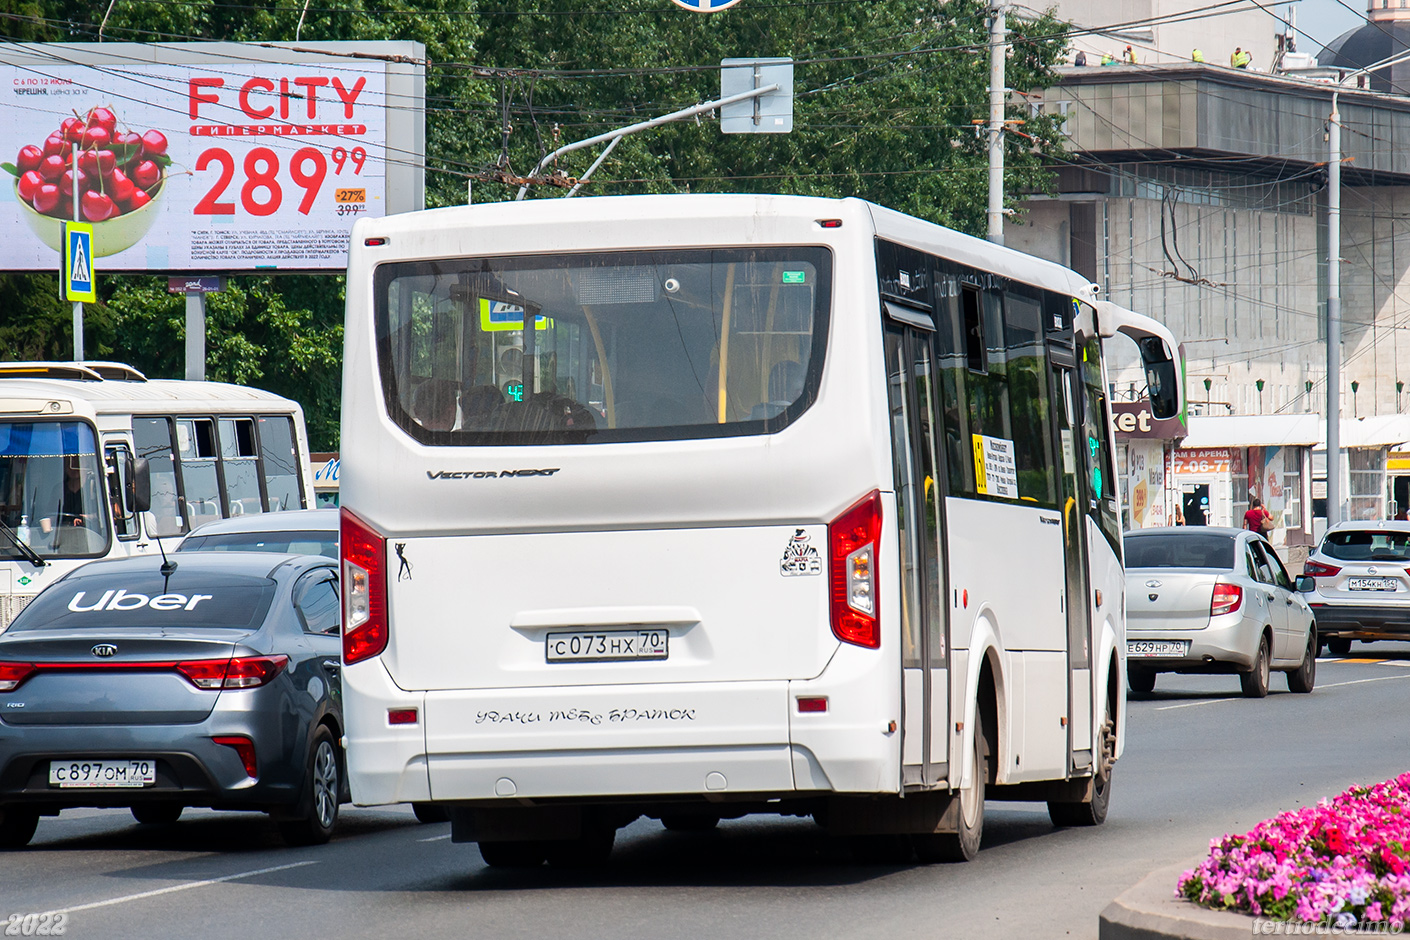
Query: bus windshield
(625, 346)
(51, 489)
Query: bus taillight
(853, 538)
(364, 590)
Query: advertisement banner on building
(206, 157)
(1208, 460)
(1145, 470)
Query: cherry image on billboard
(118, 181)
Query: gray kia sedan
(1203, 599)
(210, 680)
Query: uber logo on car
(122, 600)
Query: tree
(887, 93)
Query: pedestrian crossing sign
(80, 280)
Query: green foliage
(871, 119)
(887, 95)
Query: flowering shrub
(1344, 861)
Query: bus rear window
(625, 346)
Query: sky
(1321, 21)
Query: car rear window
(1181, 550)
(143, 598)
(283, 543)
(1367, 546)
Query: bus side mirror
(139, 485)
(1161, 378)
(1306, 584)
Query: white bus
(85, 446)
(781, 505)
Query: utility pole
(998, 54)
(1334, 316)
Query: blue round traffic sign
(705, 6)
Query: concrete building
(1197, 195)
(1163, 31)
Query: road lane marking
(181, 887)
(1208, 701)
(1359, 681)
(435, 838)
(1330, 685)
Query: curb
(1150, 911)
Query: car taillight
(12, 674)
(853, 538)
(1226, 599)
(244, 747)
(242, 672)
(1318, 570)
(364, 590)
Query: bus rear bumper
(712, 740)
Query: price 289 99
(260, 192)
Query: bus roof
(121, 396)
(616, 223)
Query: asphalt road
(1200, 761)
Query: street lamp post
(1334, 294)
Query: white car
(1362, 585)
(1201, 599)
(295, 532)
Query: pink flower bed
(1344, 861)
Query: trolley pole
(1334, 316)
(998, 53)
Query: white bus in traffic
(85, 446)
(705, 505)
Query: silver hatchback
(1363, 587)
(1201, 599)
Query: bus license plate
(1370, 584)
(606, 646)
(1154, 649)
(135, 772)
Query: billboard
(206, 158)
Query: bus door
(118, 465)
(1076, 602)
(914, 408)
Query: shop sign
(1134, 420)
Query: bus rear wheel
(1091, 812)
(962, 845)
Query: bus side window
(973, 327)
(152, 437)
(116, 456)
(200, 474)
(952, 342)
(1028, 400)
(283, 484)
(241, 465)
(1096, 445)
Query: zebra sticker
(800, 557)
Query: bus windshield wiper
(30, 554)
